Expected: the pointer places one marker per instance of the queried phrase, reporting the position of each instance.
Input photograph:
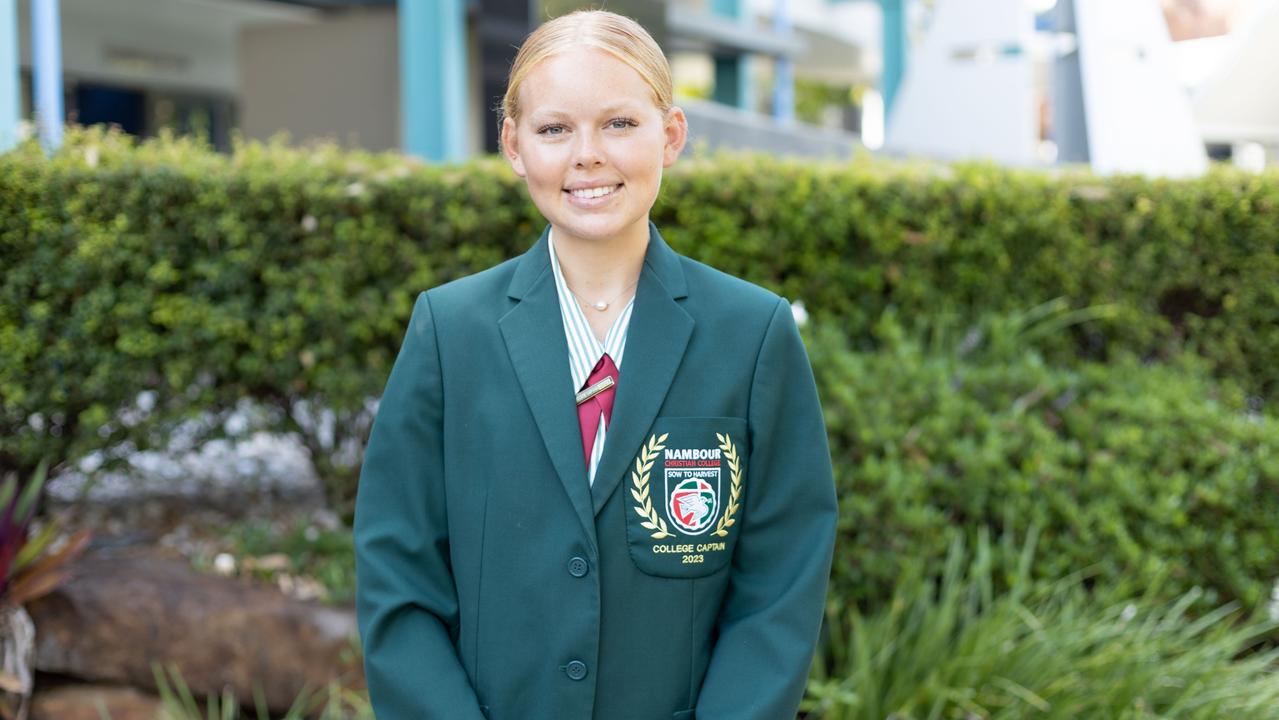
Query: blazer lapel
(534, 335)
(655, 344)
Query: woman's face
(591, 144)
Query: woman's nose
(588, 153)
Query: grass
(333, 703)
(952, 648)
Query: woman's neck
(601, 270)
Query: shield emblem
(692, 498)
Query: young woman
(598, 485)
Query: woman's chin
(596, 230)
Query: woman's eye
(551, 130)
(621, 123)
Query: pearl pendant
(600, 305)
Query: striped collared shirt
(584, 349)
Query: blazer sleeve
(769, 622)
(405, 597)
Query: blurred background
(1033, 247)
(1139, 85)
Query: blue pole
(895, 43)
(46, 56)
(434, 108)
(10, 102)
(732, 72)
(784, 80)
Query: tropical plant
(957, 647)
(335, 702)
(28, 570)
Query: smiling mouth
(595, 192)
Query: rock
(124, 610)
(236, 476)
(17, 653)
(80, 702)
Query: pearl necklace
(602, 305)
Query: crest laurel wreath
(735, 467)
(639, 478)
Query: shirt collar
(584, 349)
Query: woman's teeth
(587, 193)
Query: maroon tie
(588, 411)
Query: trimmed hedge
(280, 276)
(1145, 477)
(286, 276)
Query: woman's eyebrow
(619, 106)
(613, 108)
(547, 114)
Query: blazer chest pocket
(686, 489)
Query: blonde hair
(619, 36)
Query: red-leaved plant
(26, 571)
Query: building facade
(422, 76)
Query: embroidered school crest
(694, 500)
(687, 488)
(691, 491)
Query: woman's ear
(511, 147)
(676, 130)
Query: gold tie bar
(599, 387)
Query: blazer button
(578, 567)
(576, 670)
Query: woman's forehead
(584, 79)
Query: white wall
(1138, 116)
(964, 95)
(1237, 102)
(335, 78)
(162, 44)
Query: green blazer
(494, 582)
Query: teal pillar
(895, 45)
(10, 78)
(46, 71)
(732, 72)
(731, 87)
(784, 68)
(434, 108)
